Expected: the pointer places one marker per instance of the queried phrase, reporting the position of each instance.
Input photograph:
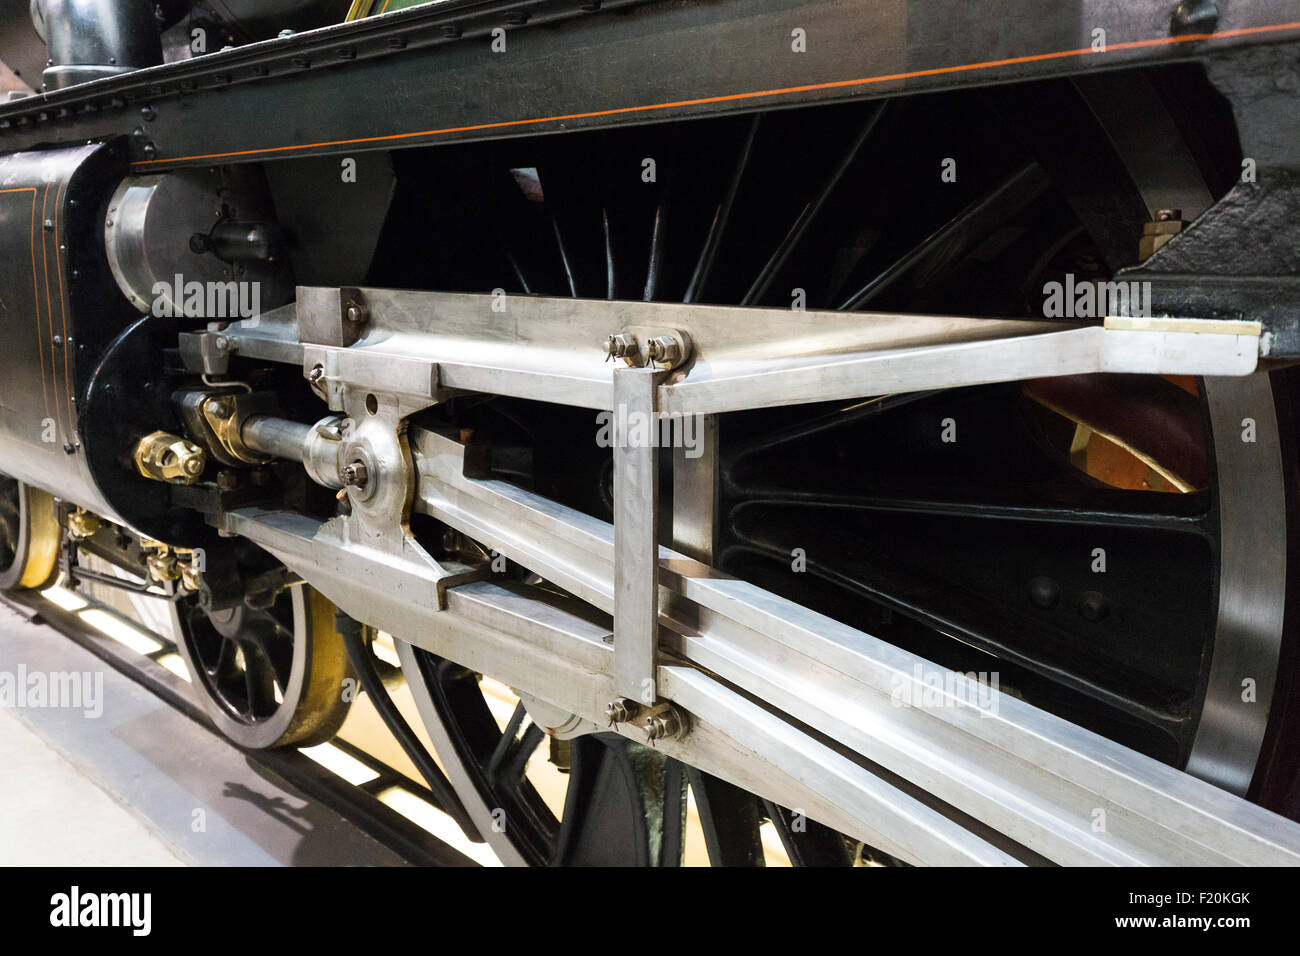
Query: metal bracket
(206, 353)
(636, 543)
(331, 316)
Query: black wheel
(29, 536)
(1091, 541)
(622, 803)
(270, 673)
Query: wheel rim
(625, 804)
(29, 536)
(267, 676)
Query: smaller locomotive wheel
(29, 536)
(267, 676)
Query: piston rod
(317, 447)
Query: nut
(622, 345)
(621, 710)
(665, 722)
(355, 474)
(664, 349)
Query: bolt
(219, 408)
(621, 345)
(621, 710)
(285, 33)
(664, 349)
(667, 724)
(356, 314)
(1093, 606)
(356, 474)
(58, 341)
(1044, 592)
(316, 374)
(1168, 215)
(148, 114)
(1194, 17)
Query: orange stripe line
(49, 300)
(36, 300)
(758, 94)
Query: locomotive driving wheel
(976, 554)
(268, 667)
(29, 536)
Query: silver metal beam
(557, 656)
(551, 349)
(1072, 795)
(636, 542)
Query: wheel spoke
(961, 232)
(625, 805)
(509, 760)
(807, 842)
(730, 820)
(704, 265)
(610, 280)
(1092, 507)
(781, 255)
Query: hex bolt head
(621, 345)
(667, 724)
(355, 474)
(621, 710)
(356, 314)
(664, 349)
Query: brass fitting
(82, 524)
(162, 564)
(166, 457)
(226, 418)
(191, 573)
